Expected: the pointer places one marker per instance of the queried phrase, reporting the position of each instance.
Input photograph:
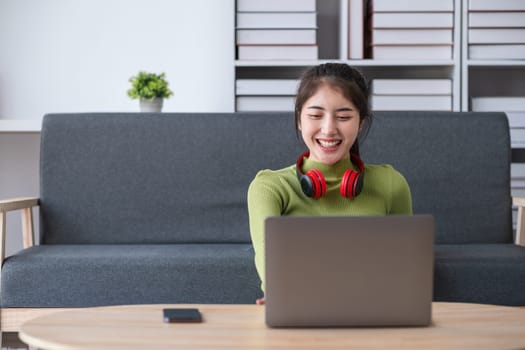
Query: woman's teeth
(328, 144)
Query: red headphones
(313, 182)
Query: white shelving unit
(333, 47)
(487, 77)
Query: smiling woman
(331, 113)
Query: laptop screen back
(349, 271)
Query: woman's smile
(329, 145)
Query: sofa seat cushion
(480, 273)
(93, 275)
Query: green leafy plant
(149, 86)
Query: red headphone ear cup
(351, 184)
(318, 183)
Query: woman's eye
(314, 116)
(344, 117)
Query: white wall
(77, 55)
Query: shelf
(357, 63)
(290, 63)
(20, 125)
(495, 63)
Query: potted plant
(151, 89)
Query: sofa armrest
(520, 226)
(25, 205)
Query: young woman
(331, 109)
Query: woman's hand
(260, 301)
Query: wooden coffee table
(455, 326)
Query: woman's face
(329, 124)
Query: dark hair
(348, 80)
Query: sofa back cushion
(174, 178)
(165, 178)
(457, 166)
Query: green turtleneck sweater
(278, 192)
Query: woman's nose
(328, 126)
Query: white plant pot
(151, 106)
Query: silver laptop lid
(349, 271)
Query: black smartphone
(182, 315)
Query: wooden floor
(10, 341)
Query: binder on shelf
(265, 103)
(355, 29)
(411, 87)
(499, 5)
(270, 32)
(497, 51)
(496, 19)
(498, 103)
(517, 137)
(411, 103)
(278, 52)
(413, 30)
(412, 20)
(517, 183)
(413, 6)
(276, 36)
(412, 36)
(266, 86)
(277, 20)
(516, 119)
(517, 192)
(276, 6)
(517, 171)
(497, 35)
(413, 52)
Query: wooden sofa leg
(2, 236)
(520, 235)
(27, 227)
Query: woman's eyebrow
(315, 107)
(342, 109)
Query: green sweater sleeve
(264, 201)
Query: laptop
(326, 271)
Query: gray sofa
(151, 208)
